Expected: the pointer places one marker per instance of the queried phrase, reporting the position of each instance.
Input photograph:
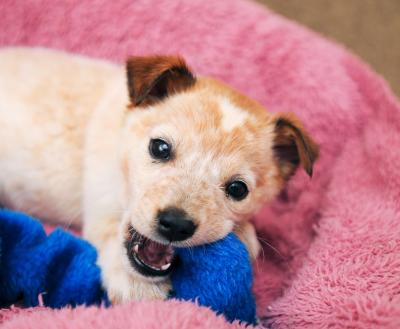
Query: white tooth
(136, 248)
(166, 266)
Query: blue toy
(217, 275)
(63, 269)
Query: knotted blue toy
(62, 269)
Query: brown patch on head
(152, 78)
(293, 146)
(216, 87)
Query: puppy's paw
(124, 288)
(122, 283)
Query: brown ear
(293, 145)
(152, 78)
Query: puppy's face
(198, 158)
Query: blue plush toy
(63, 269)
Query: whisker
(268, 244)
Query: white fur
(65, 130)
(232, 116)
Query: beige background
(370, 28)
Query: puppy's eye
(160, 149)
(236, 190)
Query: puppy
(145, 158)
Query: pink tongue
(155, 254)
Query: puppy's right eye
(160, 149)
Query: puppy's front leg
(119, 279)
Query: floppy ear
(153, 78)
(293, 146)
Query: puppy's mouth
(149, 257)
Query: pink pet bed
(331, 255)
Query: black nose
(175, 224)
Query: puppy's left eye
(160, 149)
(237, 190)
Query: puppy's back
(46, 100)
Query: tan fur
(74, 148)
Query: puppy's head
(198, 158)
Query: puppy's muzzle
(175, 224)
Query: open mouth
(149, 257)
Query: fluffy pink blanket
(331, 245)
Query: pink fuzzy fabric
(335, 256)
(149, 315)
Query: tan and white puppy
(146, 157)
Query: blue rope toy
(63, 269)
